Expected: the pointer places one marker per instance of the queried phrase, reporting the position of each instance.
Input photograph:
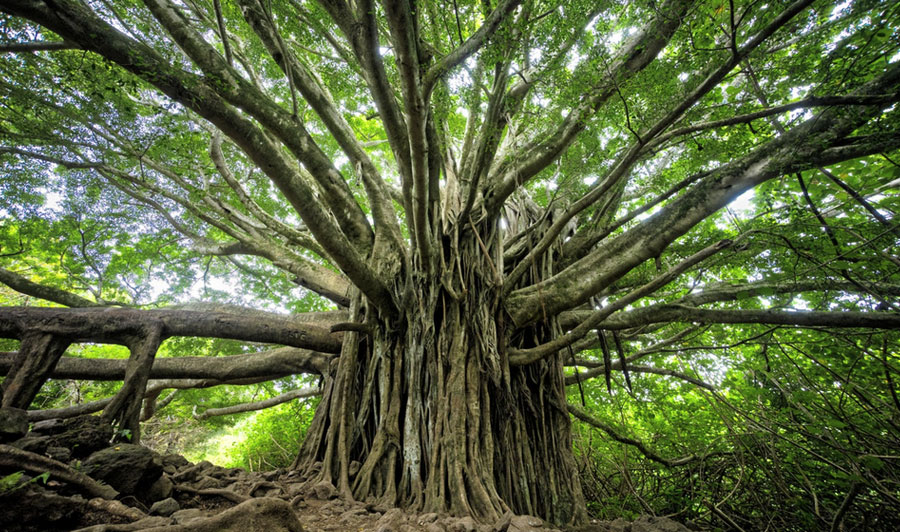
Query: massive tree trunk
(426, 412)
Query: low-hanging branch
(111, 325)
(278, 362)
(259, 405)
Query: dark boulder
(13, 424)
(130, 469)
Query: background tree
(483, 191)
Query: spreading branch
(259, 405)
(118, 325)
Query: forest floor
(93, 487)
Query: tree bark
(434, 413)
(113, 324)
(273, 364)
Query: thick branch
(527, 356)
(317, 96)
(682, 313)
(273, 363)
(289, 129)
(116, 325)
(36, 46)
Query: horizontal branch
(274, 363)
(682, 313)
(737, 291)
(259, 405)
(36, 46)
(113, 325)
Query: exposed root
(18, 459)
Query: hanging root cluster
(426, 413)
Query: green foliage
(11, 482)
(264, 440)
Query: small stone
(525, 523)
(464, 524)
(161, 489)
(390, 521)
(324, 491)
(354, 468)
(165, 507)
(649, 523)
(435, 527)
(424, 519)
(60, 454)
(13, 424)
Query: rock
(83, 435)
(34, 444)
(165, 507)
(271, 515)
(324, 491)
(525, 523)
(463, 524)
(391, 521)
(192, 472)
(620, 525)
(435, 527)
(206, 483)
(130, 469)
(48, 427)
(424, 519)
(161, 489)
(174, 460)
(13, 424)
(60, 454)
(648, 523)
(33, 508)
(296, 488)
